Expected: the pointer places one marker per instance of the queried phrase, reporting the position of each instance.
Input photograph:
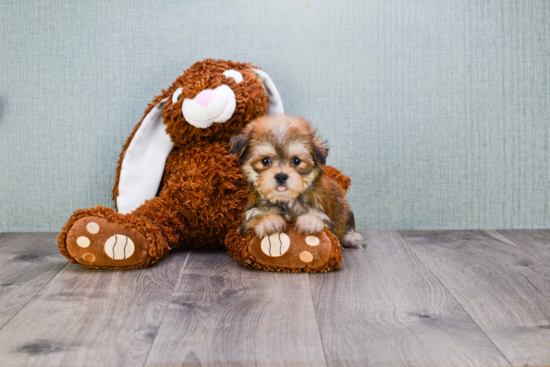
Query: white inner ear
(143, 164)
(275, 101)
(237, 76)
(176, 95)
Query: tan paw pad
(83, 241)
(119, 247)
(89, 258)
(92, 227)
(312, 240)
(306, 256)
(276, 244)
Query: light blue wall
(438, 110)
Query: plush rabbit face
(212, 101)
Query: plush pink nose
(204, 97)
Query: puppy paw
(353, 240)
(309, 224)
(269, 225)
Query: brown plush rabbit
(176, 184)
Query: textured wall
(438, 110)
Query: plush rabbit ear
(275, 101)
(143, 164)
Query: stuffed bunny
(176, 184)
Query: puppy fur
(282, 158)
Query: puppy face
(281, 156)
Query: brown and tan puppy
(282, 158)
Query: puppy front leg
(311, 223)
(269, 224)
(263, 223)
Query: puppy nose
(281, 178)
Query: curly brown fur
(203, 191)
(282, 158)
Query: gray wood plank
(504, 288)
(28, 261)
(92, 317)
(534, 241)
(222, 313)
(384, 307)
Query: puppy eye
(176, 95)
(296, 161)
(234, 74)
(266, 161)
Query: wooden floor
(448, 298)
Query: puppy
(282, 158)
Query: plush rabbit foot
(96, 242)
(287, 251)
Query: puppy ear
(320, 151)
(238, 144)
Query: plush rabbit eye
(238, 77)
(176, 95)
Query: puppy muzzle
(210, 106)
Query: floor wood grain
(430, 298)
(92, 318)
(27, 263)
(385, 307)
(223, 313)
(504, 288)
(536, 242)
